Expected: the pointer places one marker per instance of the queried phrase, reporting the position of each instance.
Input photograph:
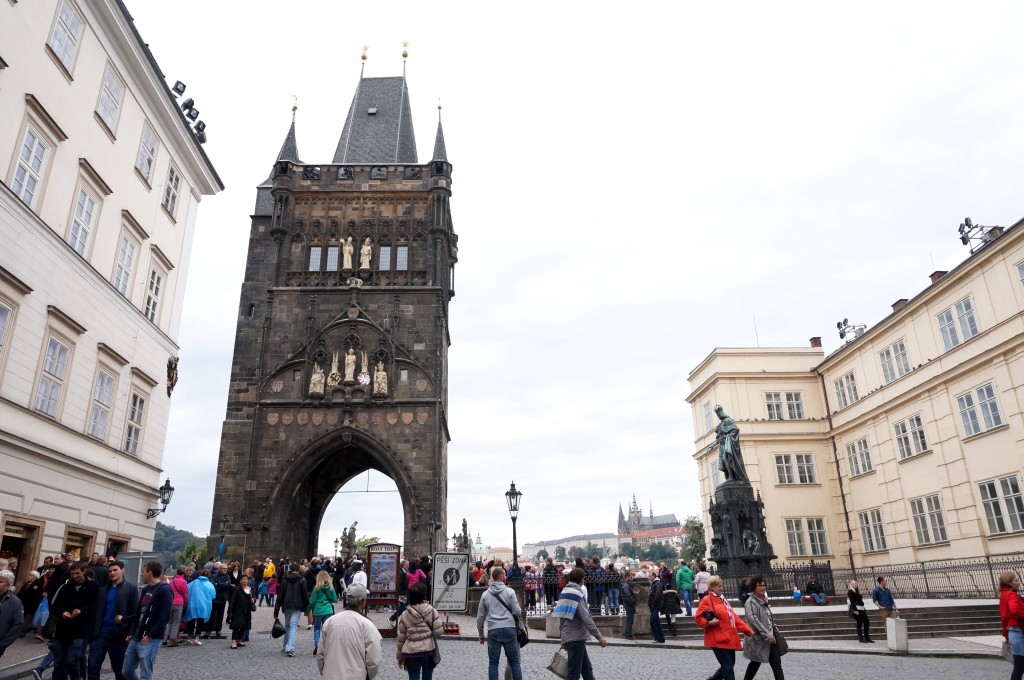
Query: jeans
(497, 639)
(688, 601)
(819, 598)
(630, 613)
(107, 643)
(656, 631)
(139, 659)
(291, 628)
(1016, 637)
(613, 598)
(421, 668)
(579, 662)
(726, 662)
(774, 660)
(318, 624)
(67, 657)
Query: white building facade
(902, 446)
(102, 177)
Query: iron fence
(967, 578)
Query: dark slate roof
(289, 149)
(658, 520)
(385, 136)
(441, 154)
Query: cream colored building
(100, 182)
(905, 444)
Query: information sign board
(449, 591)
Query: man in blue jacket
(150, 625)
(116, 607)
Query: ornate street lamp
(513, 496)
(166, 492)
(223, 525)
(336, 543)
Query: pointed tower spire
(290, 148)
(440, 153)
(652, 510)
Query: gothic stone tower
(341, 352)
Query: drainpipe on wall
(839, 475)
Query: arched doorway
(370, 498)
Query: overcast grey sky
(634, 183)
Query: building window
(67, 31)
(872, 530)
(716, 473)
(102, 399)
(133, 433)
(969, 411)
(171, 190)
(156, 282)
(314, 258)
(773, 401)
(795, 537)
(6, 314)
(709, 421)
(1020, 272)
(894, 361)
(31, 162)
(401, 258)
(125, 267)
(147, 153)
(403, 375)
(110, 98)
(1002, 500)
(51, 381)
(82, 221)
(816, 532)
(910, 437)
(859, 456)
(384, 263)
(846, 390)
(784, 468)
(805, 468)
(960, 315)
(332, 258)
(928, 521)
(795, 405)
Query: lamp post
(513, 496)
(336, 543)
(223, 526)
(166, 492)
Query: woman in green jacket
(321, 604)
(684, 584)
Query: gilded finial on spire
(295, 104)
(405, 49)
(438, 109)
(363, 56)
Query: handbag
(277, 630)
(1006, 651)
(522, 635)
(780, 641)
(437, 648)
(559, 665)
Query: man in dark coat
(116, 605)
(12, 613)
(222, 584)
(73, 605)
(149, 626)
(293, 598)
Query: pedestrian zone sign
(450, 582)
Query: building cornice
(40, 111)
(14, 282)
(94, 176)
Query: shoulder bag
(522, 635)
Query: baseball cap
(355, 593)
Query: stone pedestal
(642, 621)
(739, 543)
(896, 635)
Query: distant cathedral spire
(440, 152)
(290, 148)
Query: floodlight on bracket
(849, 332)
(977, 235)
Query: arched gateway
(341, 351)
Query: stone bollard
(642, 621)
(896, 635)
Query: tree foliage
(695, 547)
(171, 541)
(361, 544)
(661, 552)
(542, 555)
(560, 553)
(629, 550)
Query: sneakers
(315, 647)
(37, 674)
(309, 626)
(289, 653)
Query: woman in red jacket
(1011, 611)
(721, 628)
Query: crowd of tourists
(90, 614)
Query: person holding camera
(721, 628)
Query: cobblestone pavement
(262, 658)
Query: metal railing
(602, 592)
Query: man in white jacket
(349, 642)
(499, 608)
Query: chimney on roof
(936, 275)
(898, 305)
(816, 341)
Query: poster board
(383, 564)
(449, 586)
